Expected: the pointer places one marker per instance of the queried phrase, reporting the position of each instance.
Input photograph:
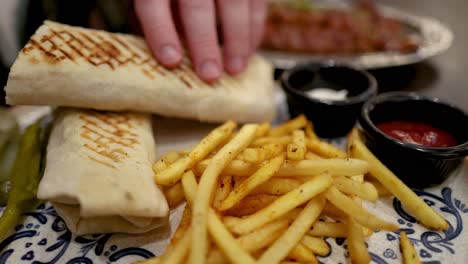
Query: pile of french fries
(271, 195)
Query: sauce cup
(417, 165)
(331, 117)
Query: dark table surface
(444, 76)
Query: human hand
(242, 23)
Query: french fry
(172, 156)
(367, 231)
(263, 236)
(262, 130)
(226, 242)
(295, 152)
(175, 195)
(259, 154)
(309, 131)
(382, 191)
(298, 138)
(179, 252)
(223, 190)
(178, 248)
(185, 152)
(153, 260)
(411, 201)
(252, 155)
(251, 204)
(358, 178)
(312, 156)
(174, 172)
(297, 149)
(237, 180)
(189, 184)
(317, 245)
(165, 161)
(302, 254)
(216, 257)
(255, 240)
(356, 211)
(260, 176)
(264, 152)
(302, 178)
(346, 167)
(324, 149)
(410, 256)
(273, 150)
(293, 124)
(181, 231)
(303, 168)
(281, 206)
(334, 229)
(356, 244)
(363, 190)
(280, 249)
(277, 186)
(204, 193)
(283, 140)
(331, 210)
(291, 215)
(235, 168)
(328, 229)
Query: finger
(198, 19)
(158, 26)
(257, 22)
(235, 22)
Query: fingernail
(209, 70)
(170, 55)
(236, 64)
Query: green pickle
(25, 177)
(9, 138)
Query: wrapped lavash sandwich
(98, 172)
(71, 66)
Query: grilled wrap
(76, 67)
(98, 173)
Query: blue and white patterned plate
(43, 238)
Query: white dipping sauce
(327, 94)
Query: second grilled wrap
(98, 172)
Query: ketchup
(418, 133)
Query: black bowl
(331, 118)
(416, 165)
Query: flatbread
(104, 224)
(71, 66)
(98, 171)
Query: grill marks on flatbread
(70, 66)
(102, 49)
(98, 173)
(107, 138)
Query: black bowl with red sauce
(421, 139)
